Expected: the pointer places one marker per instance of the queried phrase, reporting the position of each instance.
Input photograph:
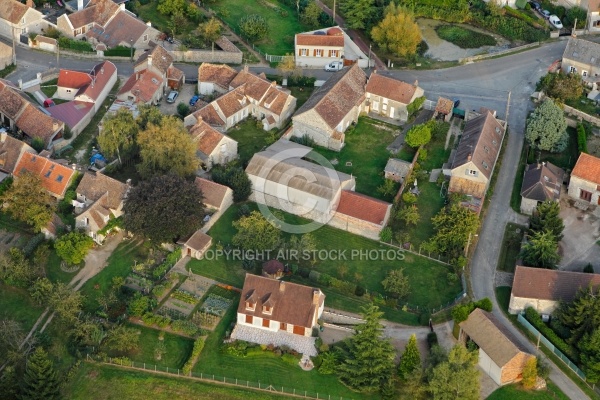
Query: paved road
(485, 84)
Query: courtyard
(579, 245)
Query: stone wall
(518, 304)
(580, 115)
(217, 56)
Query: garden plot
(180, 304)
(211, 311)
(138, 283)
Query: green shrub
(415, 106)
(581, 138)
(33, 244)
(432, 339)
(536, 320)
(186, 327)
(239, 348)
(301, 81)
(183, 109)
(38, 144)
(169, 262)
(290, 359)
(463, 37)
(510, 27)
(75, 45)
(119, 51)
(189, 364)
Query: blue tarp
(97, 157)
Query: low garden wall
(580, 115)
(217, 56)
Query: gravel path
(95, 261)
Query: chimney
(281, 286)
(128, 182)
(102, 70)
(469, 157)
(316, 295)
(79, 5)
(149, 60)
(246, 68)
(149, 24)
(29, 3)
(274, 83)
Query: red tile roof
(219, 74)
(209, 115)
(391, 88)
(143, 88)
(12, 10)
(11, 102)
(232, 102)
(548, 284)
(363, 207)
(10, 151)
(310, 39)
(587, 168)
(291, 303)
(73, 79)
(213, 193)
(95, 186)
(55, 177)
(101, 75)
(122, 29)
(98, 11)
(34, 123)
(205, 137)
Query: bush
(359, 291)
(38, 144)
(198, 346)
(183, 109)
(119, 51)
(581, 138)
(233, 176)
(432, 339)
(33, 244)
(67, 134)
(304, 272)
(170, 261)
(510, 27)
(254, 27)
(239, 348)
(415, 106)
(301, 81)
(75, 45)
(536, 320)
(463, 37)
(314, 276)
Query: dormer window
(267, 310)
(250, 306)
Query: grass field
(283, 22)
(119, 264)
(428, 279)
(102, 382)
(53, 271)
(266, 368)
(251, 139)
(511, 247)
(148, 12)
(366, 150)
(463, 37)
(516, 392)
(178, 348)
(16, 304)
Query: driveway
(185, 94)
(582, 231)
(96, 260)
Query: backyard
(565, 159)
(178, 348)
(364, 155)
(282, 20)
(511, 247)
(428, 279)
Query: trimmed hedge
(75, 45)
(581, 138)
(119, 51)
(189, 364)
(536, 320)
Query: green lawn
(178, 348)
(148, 12)
(119, 264)
(266, 368)
(511, 247)
(10, 224)
(49, 88)
(250, 137)
(301, 94)
(282, 28)
(515, 198)
(516, 392)
(366, 150)
(53, 271)
(463, 37)
(102, 382)
(503, 297)
(16, 304)
(428, 279)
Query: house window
(584, 73)
(598, 188)
(267, 310)
(304, 52)
(471, 172)
(572, 69)
(23, 21)
(250, 306)
(266, 323)
(68, 90)
(77, 31)
(145, 38)
(89, 26)
(318, 52)
(87, 221)
(283, 326)
(333, 53)
(249, 319)
(585, 195)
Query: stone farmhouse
(20, 115)
(501, 355)
(108, 23)
(332, 108)
(582, 57)
(247, 94)
(99, 199)
(153, 75)
(212, 147)
(18, 19)
(216, 198)
(584, 185)
(543, 289)
(55, 177)
(277, 312)
(390, 97)
(475, 157)
(11, 151)
(315, 49)
(541, 182)
(86, 91)
(215, 78)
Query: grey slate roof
(542, 182)
(582, 51)
(397, 167)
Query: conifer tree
(411, 358)
(9, 383)
(40, 381)
(546, 218)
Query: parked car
(194, 100)
(456, 102)
(535, 5)
(545, 13)
(48, 103)
(172, 96)
(334, 66)
(555, 21)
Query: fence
(541, 338)
(498, 53)
(128, 364)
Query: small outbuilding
(501, 355)
(196, 245)
(541, 182)
(273, 269)
(396, 169)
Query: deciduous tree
(396, 283)
(388, 187)
(398, 32)
(170, 7)
(358, 13)
(254, 27)
(529, 373)
(122, 338)
(236, 178)
(409, 214)
(256, 233)
(453, 225)
(210, 31)
(73, 247)
(15, 270)
(164, 208)
(370, 360)
(40, 380)
(418, 135)
(547, 128)
(310, 15)
(561, 86)
(118, 134)
(66, 302)
(457, 378)
(546, 217)
(287, 66)
(410, 360)
(167, 148)
(27, 200)
(541, 250)
(41, 290)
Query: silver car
(172, 96)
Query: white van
(334, 66)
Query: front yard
(430, 287)
(364, 155)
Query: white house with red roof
(316, 49)
(212, 146)
(390, 97)
(585, 180)
(55, 177)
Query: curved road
(485, 83)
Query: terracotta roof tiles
(232, 102)
(95, 186)
(587, 168)
(213, 193)
(55, 177)
(12, 10)
(144, 87)
(219, 74)
(205, 137)
(10, 101)
(98, 11)
(549, 284)
(10, 151)
(161, 59)
(37, 124)
(391, 88)
(73, 79)
(307, 39)
(363, 207)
